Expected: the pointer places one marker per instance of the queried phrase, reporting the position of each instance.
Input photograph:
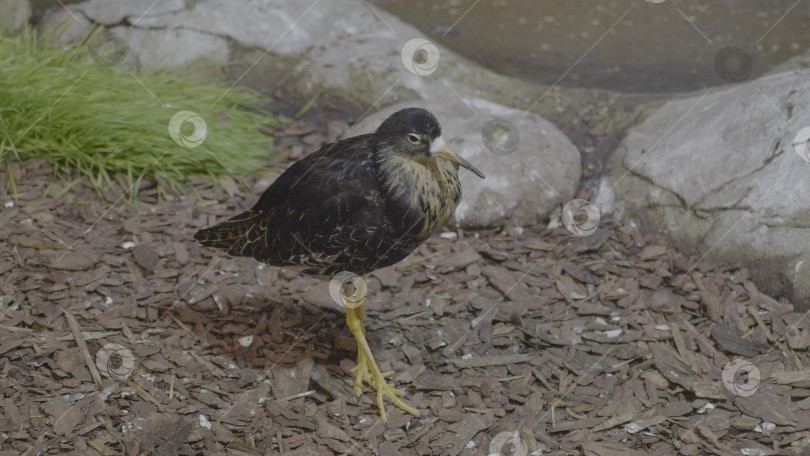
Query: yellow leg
(366, 369)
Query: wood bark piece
(80, 342)
(672, 367)
(730, 341)
(487, 361)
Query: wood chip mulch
(119, 335)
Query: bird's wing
(314, 215)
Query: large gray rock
(357, 55)
(14, 14)
(107, 12)
(137, 47)
(532, 170)
(148, 49)
(720, 175)
(71, 26)
(346, 50)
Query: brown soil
(605, 345)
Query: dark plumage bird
(353, 206)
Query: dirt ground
(119, 335)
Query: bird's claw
(376, 380)
(363, 375)
(394, 394)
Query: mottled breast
(421, 197)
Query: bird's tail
(236, 235)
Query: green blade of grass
(58, 104)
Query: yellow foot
(363, 375)
(376, 379)
(366, 369)
(385, 389)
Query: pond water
(625, 45)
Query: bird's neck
(421, 195)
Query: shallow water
(626, 45)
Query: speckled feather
(356, 205)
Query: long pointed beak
(445, 153)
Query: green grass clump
(57, 103)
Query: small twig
(36, 448)
(128, 333)
(761, 324)
(280, 440)
(144, 394)
(109, 427)
(296, 396)
(15, 328)
(184, 327)
(77, 335)
(89, 335)
(214, 369)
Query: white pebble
(662, 327)
(246, 341)
(106, 392)
(449, 235)
(9, 204)
(204, 422)
(753, 452)
(612, 333)
(632, 428)
(706, 408)
(128, 245)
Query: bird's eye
(413, 138)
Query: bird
(353, 206)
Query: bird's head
(415, 133)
